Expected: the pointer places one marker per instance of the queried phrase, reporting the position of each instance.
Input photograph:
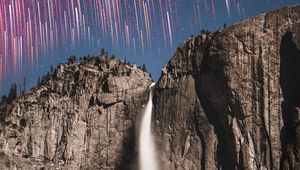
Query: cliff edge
(82, 116)
(230, 99)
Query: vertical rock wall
(230, 100)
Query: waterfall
(147, 158)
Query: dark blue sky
(143, 32)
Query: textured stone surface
(230, 99)
(81, 117)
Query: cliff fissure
(290, 82)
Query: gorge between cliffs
(225, 100)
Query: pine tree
(72, 59)
(51, 69)
(144, 68)
(24, 85)
(20, 88)
(3, 99)
(12, 92)
(15, 91)
(39, 81)
(102, 52)
(202, 31)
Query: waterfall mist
(147, 157)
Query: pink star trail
(34, 30)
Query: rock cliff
(80, 117)
(230, 99)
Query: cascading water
(147, 159)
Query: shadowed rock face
(290, 83)
(81, 117)
(230, 99)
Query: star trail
(32, 31)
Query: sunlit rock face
(81, 117)
(230, 99)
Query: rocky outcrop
(80, 117)
(230, 99)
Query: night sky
(35, 34)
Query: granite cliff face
(230, 99)
(81, 117)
